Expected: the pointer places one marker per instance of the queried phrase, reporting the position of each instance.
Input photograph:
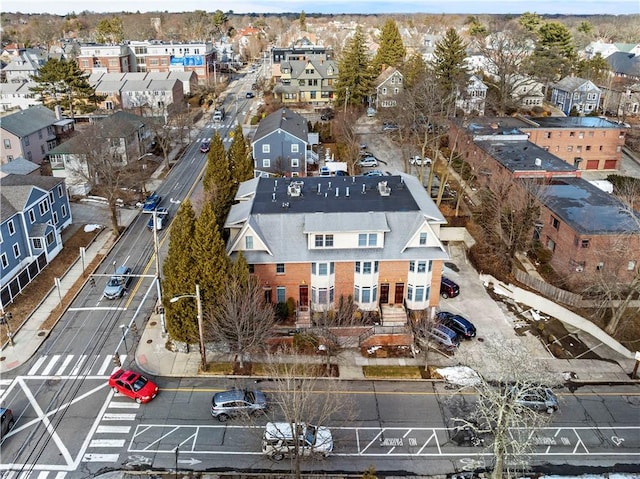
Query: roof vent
(294, 189)
(538, 162)
(285, 205)
(383, 189)
(273, 198)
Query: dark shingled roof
(574, 122)
(15, 191)
(285, 120)
(522, 155)
(28, 121)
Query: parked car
(444, 337)
(133, 385)
(418, 161)
(390, 126)
(118, 283)
(250, 94)
(162, 215)
(280, 441)
(461, 325)
(368, 161)
(371, 112)
(327, 114)
(235, 402)
(373, 173)
(448, 288)
(6, 421)
(205, 146)
(152, 202)
(536, 398)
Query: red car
(134, 385)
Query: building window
(11, 227)
(410, 292)
(281, 294)
(63, 210)
(555, 223)
(5, 262)
(60, 191)
(295, 148)
(7, 143)
(423, 239)
(37, 243)
(547, 134)
(43, 206)
(412, 266)
(295, 162)
(32, 216)
(248, 242)
(588, 147)
(551, 244)
(422, 266)
(367, 240)
(279, 268)
(16, 250)
(581, 134)
(584, 243)
(419, 296)
(252, 268)
(324, 241)
(266, 148)
(266, 163)
(600, 266)
(50, 238)
(366, 294)
(322, 269)
(569, 147)
(572, 133)
(631, 265)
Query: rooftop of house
(588, 209)
(18, 166)
(282, 119)
(573, 122)
(28, 121)
(524, 156)
(16, 190)
(492, 126)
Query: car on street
(419, 161)
(371, 112)
(368, 161)
(163, 215)
(538, 398)
(152, 202)
(250, 94)
(373, 173)
(237, 402)
(443, 337)
(280, 440)
(205, 146)
(461, 325)
(118, 283)
(448, 288)
(390, 126)
(133, 385)
(6, 421)
(327, 114)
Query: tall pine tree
(218, 187)
(355, 76)
(391, 51)
(211, 262)
(179, 277)
(240, 161)
(449, 63)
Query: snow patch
(90, 228)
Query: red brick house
(317, 239)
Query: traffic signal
(116, 360)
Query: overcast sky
(567, 7)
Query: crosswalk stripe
(106, 443)
(60, 475)
(76, 370)
(43, 474)
(100, 457)
(64, 364)
(123, 405)
(118, 417)
(36, 366)
(113, 429)
(52, 362)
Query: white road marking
(64, 364)
(37, 365)
(113, 429)
(76, 370)
(118, 417)
(108, 361)
(106, 443)
(124, 405)
(98, 308)
(100, 457)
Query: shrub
(291, 307)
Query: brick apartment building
(317, 239)
(588, 231)
(588, 143)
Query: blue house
(280, 145)
(33, 212)
(578, 93)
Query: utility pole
(158, 285)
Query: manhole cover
(41, 333)
(2, 358)
(149, 341)
(152, 323)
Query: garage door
(611, 164)
(592, 164)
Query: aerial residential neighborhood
(303, 244)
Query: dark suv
(448, 289)
(459, 324)
(235, 402)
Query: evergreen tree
(179, 277)
(355, 77)
(557, 36)
(555, 54)
(595, 69)
(414, 70)
(530, 21)
(391, 51)
(110, 30)
(239, 271)
(240, 161)
(218, 187)
(303, 21)
(61, 82)
(449, 62)
(211, 262)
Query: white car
(418, 161)
(368, 161)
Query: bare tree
(345, 133)
(504, 385)
(300, 397)
(242, 320)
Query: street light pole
(203, 352)
(123, 328)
